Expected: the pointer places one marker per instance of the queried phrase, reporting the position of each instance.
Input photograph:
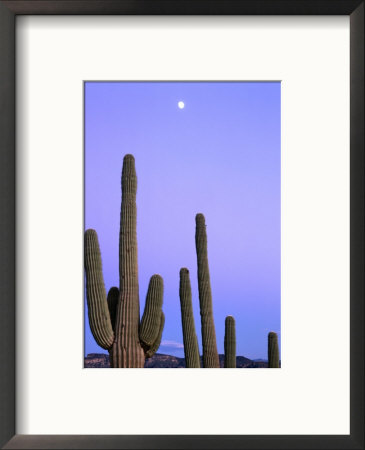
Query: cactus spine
(230, 343)
(210, 352)
(115, 322)
(273, 350)
(191, 349)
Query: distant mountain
(96, 360)
(159, 360)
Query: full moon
(181, 105)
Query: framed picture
(236, 292)
(243, 123)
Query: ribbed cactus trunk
(191, 349)
(273, 350)
(210, 352)
(230, 343)
(115, 321)
(127, 350)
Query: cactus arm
(191, 349)
(210, 352)
(150, 323)
(98, 312)
(112, 299)
(230, 343)
(273, 350)
(154, 347)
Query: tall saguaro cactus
(191, 349)
(230, 343)
(115, 321)
(273, 350)
(210, 352)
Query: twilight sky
(219, 155)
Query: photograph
(182, 224)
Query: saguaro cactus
(230, 343)
(191, 349)
(273, 350)
(115, 321)
(210, 353)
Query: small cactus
(210, 352)
(191, 349)
(115, 320)
(273, 350)
(230, 343)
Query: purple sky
(220, 156)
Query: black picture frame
(8, 12)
